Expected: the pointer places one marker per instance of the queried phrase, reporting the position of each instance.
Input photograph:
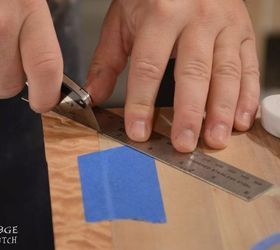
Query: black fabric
(165, 97)
(24, 186)
(272, 62)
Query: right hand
(29, 51)
(216, 71)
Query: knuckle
(196, 69)
(188, 110)
(207, 12)
(225, 108)
(96, 69)
(250, 100)
(141, 105)
(145, 101)
(139, 109)
(230, 69)
(146, 70)
(251, 71)
(49, 63)
(163, 8)
(99, 69)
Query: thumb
(110, 57)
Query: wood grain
(64, 141)
(200, 217)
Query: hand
(216, 67)
(29, 49)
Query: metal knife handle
(70, 88)
(77, 93)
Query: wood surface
(64, 141)
(199, 216)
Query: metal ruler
(204, 167)
(76, 105)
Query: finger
(150, 54)
(41, 56)
(224, 89)
(250, 88)
(192, 77)
(11, 72)
(110, 56)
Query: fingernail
(245, 119)
(220, 133)
(186, 140)
(139, 130)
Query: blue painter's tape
(120, 183)
(272, 242)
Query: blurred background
(78, 24)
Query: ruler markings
(197, 164)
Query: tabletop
(199, 216)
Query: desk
(199, 216)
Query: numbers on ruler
(258, 183)
(197, 164)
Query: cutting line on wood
(76, 105)
(164, 118)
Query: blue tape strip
(120, 183)
(268, 243)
